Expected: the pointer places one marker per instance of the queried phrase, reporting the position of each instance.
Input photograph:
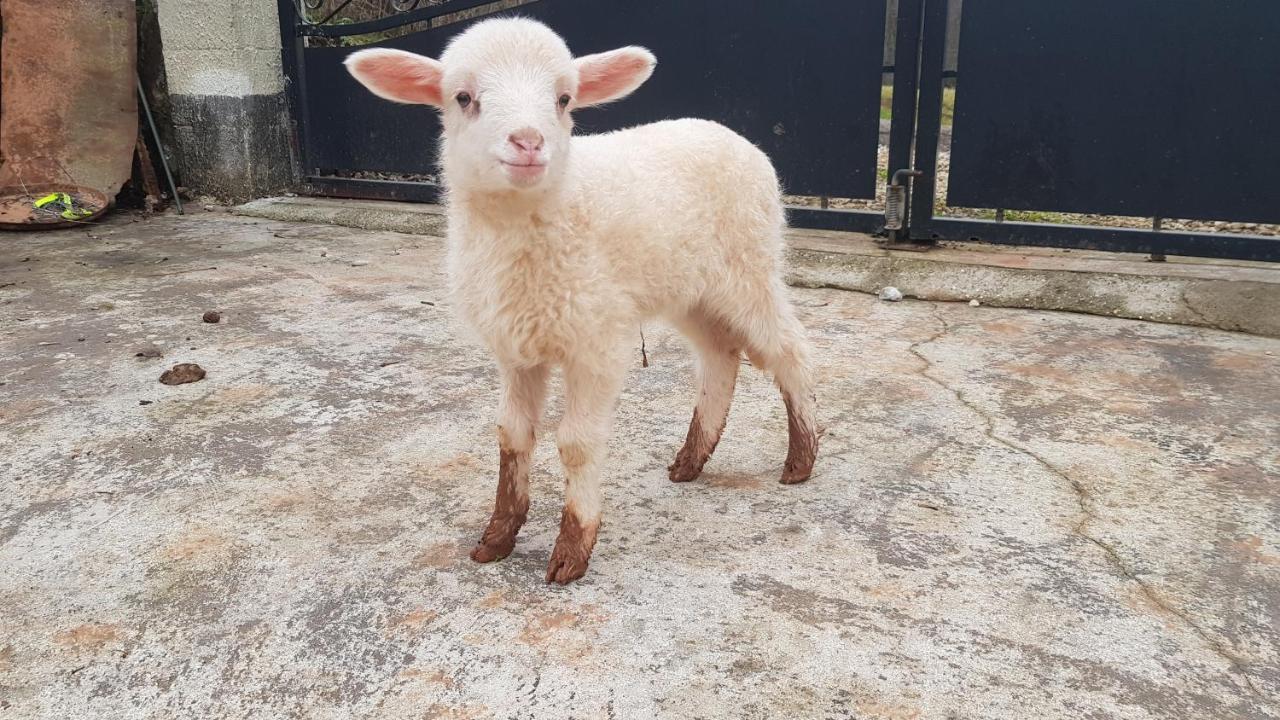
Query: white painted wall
(224, 47)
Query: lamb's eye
(564, 100)
(464, 99)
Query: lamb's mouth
(522, 175)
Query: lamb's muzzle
(559, 246)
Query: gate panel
(1057, 111)
(1119, 107)
(802, 81)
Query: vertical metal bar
(1157, 224)
(155, 135)
(906, 76)
(929, 113)
(292, 44)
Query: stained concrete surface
(1015, 513)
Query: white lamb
(560, 246)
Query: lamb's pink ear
(608, 76)
(397, 75)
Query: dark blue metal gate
(1153, 109)
(802, 81)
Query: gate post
(929, 118)
(226, 96)
(906, 74)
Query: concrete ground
(1016, 514)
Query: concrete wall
(226, 91)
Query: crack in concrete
(1087, 514)
(1196, 314)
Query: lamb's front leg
(523, 391)
(591, 392)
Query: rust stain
(414, 619)
(438, 556)
(1127, 407)
(461, 462)
(886, 711)
(1251, 548)
(1158, 384)
(435, 677)
(285, 500)
(90, 636)
(459, 712)
(1239, 362)
(70, 108)
(241, 394)
(733, 482)
(1045, 372)
(495, 599)
(1003, 327)
(198, 542)
(540, 628)
(1135, 598)
(6, 657)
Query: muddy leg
(776, 341)
(590, 396)
(718, 361)
(521, 406)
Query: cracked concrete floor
(1016, 514)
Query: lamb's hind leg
(523, 391)
(777, 342)
(718, 358)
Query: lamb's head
(505, 90)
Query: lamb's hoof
(795, 475)
(564, 569)
(483, 553)
(683, 469)
(499, 537)
(794, 478)
(573, 549)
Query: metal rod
(155, 135)
(900, 177)
(431, 12)
(929, 115)
(336, 10)
(906, 78)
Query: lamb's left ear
(608, 76)
(397, 75)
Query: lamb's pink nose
(528, 140)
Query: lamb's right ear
(398, 75)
